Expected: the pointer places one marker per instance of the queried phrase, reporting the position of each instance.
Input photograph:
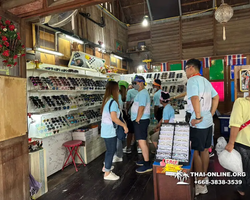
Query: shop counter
(166, 187)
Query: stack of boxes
(94, 145)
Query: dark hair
(165, 96)
(123, 92)
(81, 62)
(158, 81)
(194, 62)
(111, 91)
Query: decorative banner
(164, 67)
(207, 62)
(183, 64)
(219, 87)
(232, 91)
(232, 67)
(237, 59)
(175, 67)
(84, 60)
(145, 68)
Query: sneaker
(112, 177)
(200, 189)
(117, 159)
(125, 150)
(144, 169)
(140, 163)
(139, 150)
(103, 169)
(211, 154)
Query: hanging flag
(164, 67)
(236, 59)
(145, 68)
(183, 64)
(207, 62)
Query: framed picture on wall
(118, 46)
(244, 80)
(141, 45)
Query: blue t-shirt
(141, 99)
(201, 87)
(107, 127)
(168, 113)
(120, 101)
(131, 94)
(157, 97)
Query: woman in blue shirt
(110, 114)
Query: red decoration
(10, 46)
(4, 38)
(6, 44)
(12, 27)
(7, 22)
(6, 53)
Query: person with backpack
(131, 94)
(110, 116)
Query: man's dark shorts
(141, 129)
(201, 138)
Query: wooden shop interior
(109, 31)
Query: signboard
(86, 61)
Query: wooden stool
(73, 146)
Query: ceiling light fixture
(74, 39)
(118, 57)
(145, 21)
(49, 51)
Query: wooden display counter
(166, 187)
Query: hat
(124, 83)
(139, 79)
(165, 96)
(157, 82)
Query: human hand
(195, 121)
(137, 121)
(229, 147)
(156, 129)
(125, 129)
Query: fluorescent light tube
(49, 51)
(118, 57)
(74, 39)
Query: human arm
(118, 121)
(236, 120)
(140, 113)
(196, 105)
(233, 135)
(215, 103)
(179, 96)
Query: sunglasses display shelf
(61, 103)
(174, 143)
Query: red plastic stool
(73, 146)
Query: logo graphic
(181, 177)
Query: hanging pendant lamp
(223, 14)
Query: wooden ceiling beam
(14, 3)
(61, 8)
(133, 5)
(194, 2)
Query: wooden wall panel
(165, 41)
(107, 58)
(48, 58)
(237, 34)
(13, 115)
(64, 47)
(14, 167)
(197, 37)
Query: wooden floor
(88, 183)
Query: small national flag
(164, 67)
(207, 62)
(145, 68)
(237, 59)
(183, 64)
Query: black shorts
(141, 129)
(130, 126)
(201, 138)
